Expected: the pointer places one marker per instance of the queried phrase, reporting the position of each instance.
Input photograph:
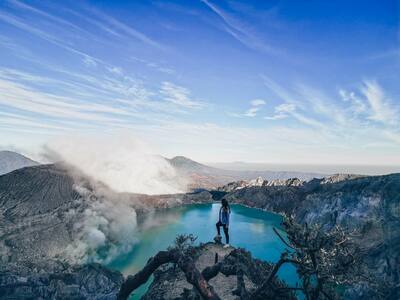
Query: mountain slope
(10, 161)
(203, 176)
(34, 205)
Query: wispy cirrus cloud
(26, 100)
(89, 61)
(24, 6)
(255, 108)
(256, 105)
(257, 102)
(251, 112)
(381, 109)
(179, 96)
(21, 24)
(120, 26)
(240, 31)
(154, 65)
(99, 19)
(291, 107)
(365, 109)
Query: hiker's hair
(225, 204)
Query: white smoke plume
(105, 229)
(121, 162)
(105, 225)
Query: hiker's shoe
(226, 246)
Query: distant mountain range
(198, 175)
(203, 176)
(10, 161)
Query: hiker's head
(224, 203)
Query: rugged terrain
(170, 282)
(10, 161)
(50, 222)
(57, 280)
(370, 204)
(42, 209)
(36, 226)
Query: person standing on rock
(224, 213)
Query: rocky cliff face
(56, 280)
(370, 204)
(34, 206)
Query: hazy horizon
(325, 169)
(322, 169)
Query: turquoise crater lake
(249, 228)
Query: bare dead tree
(325, 261)
(182, 256)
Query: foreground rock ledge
(170, 281)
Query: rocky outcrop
(170, 282)
(56, 280)
(259, 181)
(370, 204)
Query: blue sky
(301, 82)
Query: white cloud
(19, 23)
(257, 102)
(285, 108)
(251, 112)
(126, 29)
(240, 31)
(357, 105)
(30, 8)
(115, 70)
(380, 108)
(90, 62)
(179, 95)
(276, 117)
(281, 111)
